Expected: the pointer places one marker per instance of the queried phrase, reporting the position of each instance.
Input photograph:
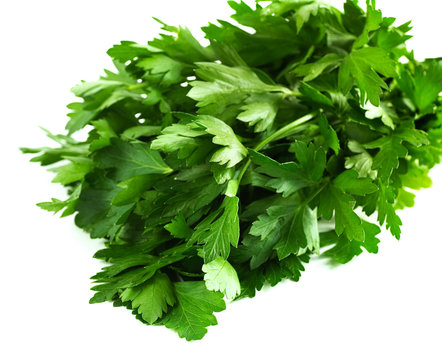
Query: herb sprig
(208, 170)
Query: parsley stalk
(287, 130)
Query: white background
(385, 306)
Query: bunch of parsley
(208, 169)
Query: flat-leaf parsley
(207, 170)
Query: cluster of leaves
(208, 169)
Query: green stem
(281, 133)
(135, 86)
(243, 170)
(285, 130)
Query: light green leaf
(127, 50)
(221, 276)
(75, 171)
(69, 204)
(136, 132)
(224, 85)
(362, 162)
(259, 114)
(178, 137)
(105, 133)
(233, 151)
(163, 64)
(388, 115)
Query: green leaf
(179, 227)
(300, 232)
(152, 298)
(208, 171)
(79, 116)
(330, 136)
(169, 68)
(302, 15)
(404, 199)
(69, 204)
(194, 309)
(221, 173)
(386, 211)
(104, 132)
(345, 250)
(267, 228)
(73, 172)
(362, 162)
(362, 67)
(428, 84)
(387, 114)
(349, 182)
(233, 150)
(387, 159)
(184, 139)
(289, 177)
(373, 22)
(180, 44)
(259, 114)
(127, 50)
(221, 276)
(311, 159)
(95, 211)
(287, 228)
(136, 132)
(416, 178)
(313, 95)
(132, 265)
(224, 85)
(219, 230)
(311, 232)
(333, 199)
(131, 159)
(312, 70)
(133, 188)
(415, 137)
(178, 137)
